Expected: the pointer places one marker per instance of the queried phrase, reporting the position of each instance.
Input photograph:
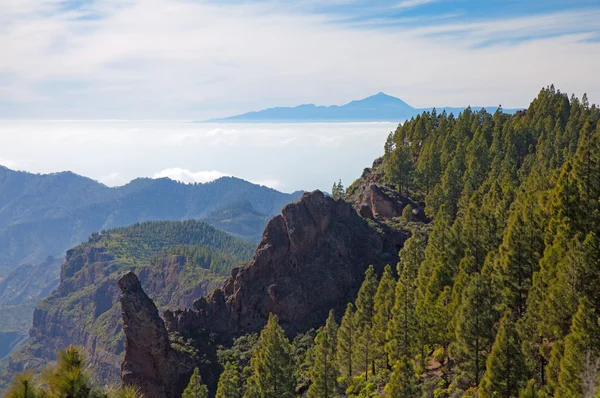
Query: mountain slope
(47, 214)
(177, 262)
(43, 215)
(239, 219)
(20, 291)
(376, 108)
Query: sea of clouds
(286, 157)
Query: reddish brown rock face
(151, 365)
(312, 258)
(382, 201)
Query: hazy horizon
(284, 156)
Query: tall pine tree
(195, 388)
(505, 372)
(584, 339)
(474, 331)
(324, 372)
(403, 382)
(346, 343)
(23, 386)
(402, 333)
(272, 365)
(229, 382)
(365, 304)
(382, 315)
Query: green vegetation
(324, 372)
(500, 297)
(229, 382)
(20, 291)
(67, 378)
(338, 191)
(140, 242)
(272, 366)
(241, 220)
(195, 388)
(177, 262)
(403, 382)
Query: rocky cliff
(311, 258)
(174, 262)
(152, 362)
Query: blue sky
(184, 59)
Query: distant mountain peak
(380, 107)
(383, 99)
(375, 108)
(381, 94)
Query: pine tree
(338, 191)
(519, 255)
(324, 372)
(399, 167)
(565, 266)
(123, 392)
(382, 315)
(272, 365)
(474, 330)
(583, 339)
(195, 388)
(403, 383)
(530, 391)
(505, 372)
(586, 174)
(553, 368)
(403, 327)
(229, 382)
(407, 213)
(436, 272)
(23, 386)
(452, 181)
(68, 378)
(365, 343)
(346, 342)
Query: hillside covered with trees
(501, 298)
(498, 296)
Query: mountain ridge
(53, 212)
(379, 107)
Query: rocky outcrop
(376, 200)
(85, 310)
(312, 258)
(152, 365)
(383, 201)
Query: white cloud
(8, 163)
(181, 59)
(413, 3)
(275, 184)
(188, 176)
(288, 141)
(138, 149)
(113, 179)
